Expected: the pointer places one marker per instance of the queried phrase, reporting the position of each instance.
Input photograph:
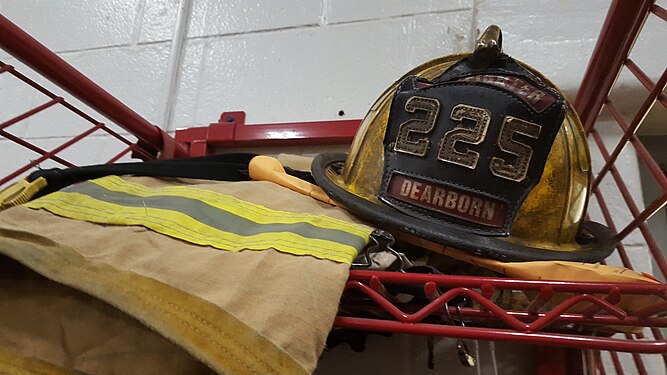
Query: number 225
(447, 151)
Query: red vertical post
(619, 32)
(562, 361)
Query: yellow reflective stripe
(250, 211)
(179, 225)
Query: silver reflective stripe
(215, 217)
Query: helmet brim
(597, 240)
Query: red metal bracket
(232, 131)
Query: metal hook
(463, 352)
(449, 316)
(464, 355)
(458, 312)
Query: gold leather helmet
(478, 152)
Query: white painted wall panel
(649, 52)
(75, 25)
(158, 19)
(438, 35)
(339, 11)
(241, 16)
(555, 37)
(309, 73)
(137, 76)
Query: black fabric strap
(222, 167)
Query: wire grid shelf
(562, 314)
(596, 102)
(54, 154)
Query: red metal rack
(571, 315)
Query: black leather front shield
(468, 150)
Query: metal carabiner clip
(383, 242)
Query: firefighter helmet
(478, 152)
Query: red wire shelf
(562, 314)
(557, 325)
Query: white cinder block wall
(297, 60)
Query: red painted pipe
(507, 283)
(620, 29)
(474, 333)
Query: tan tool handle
(266, 168)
